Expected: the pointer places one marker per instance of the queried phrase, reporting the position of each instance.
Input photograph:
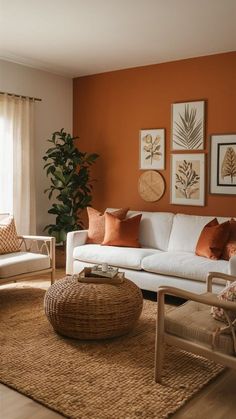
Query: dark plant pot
(61, 256)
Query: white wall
(52, 114)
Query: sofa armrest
(74, 239)
(232, 265)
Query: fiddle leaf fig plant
(71, 183)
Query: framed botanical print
(188, 119)
(223, 164)
(152, 149)
(188, 179)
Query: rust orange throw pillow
(122, 232)
(96, 229)
(212, 239)
(230, 247)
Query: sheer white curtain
(17, 180)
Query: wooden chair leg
(159, 342)
(52, 255)
(53, 276)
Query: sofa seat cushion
(193, 321)
(125, 257)
(19, 263)
(183, 265)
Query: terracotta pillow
(230, 247)
(9, 242)
(96, 229)
(122, 232)
(212, 239)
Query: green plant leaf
(59, 176)
(71, 181)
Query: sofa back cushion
(186, 231)
(155, 228)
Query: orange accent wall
(111, 108)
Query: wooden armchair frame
(36, 244)
(163, 337)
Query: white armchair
(37, 256)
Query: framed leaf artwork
(152, 149)
(188, 125)
(223, 164)
(188, 179)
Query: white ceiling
(79, 37)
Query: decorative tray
(95, 276)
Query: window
(17, 190)
(6, 165)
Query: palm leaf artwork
(228, 167)
(152, 147)
(188, 131)
(187, 180)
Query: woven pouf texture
(92, 311)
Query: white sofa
(167, 256)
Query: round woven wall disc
(151, 186)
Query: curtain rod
(23, 97)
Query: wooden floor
(215, 401)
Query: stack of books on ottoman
(103, 274)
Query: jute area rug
(110, 379)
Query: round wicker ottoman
(92, 311)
